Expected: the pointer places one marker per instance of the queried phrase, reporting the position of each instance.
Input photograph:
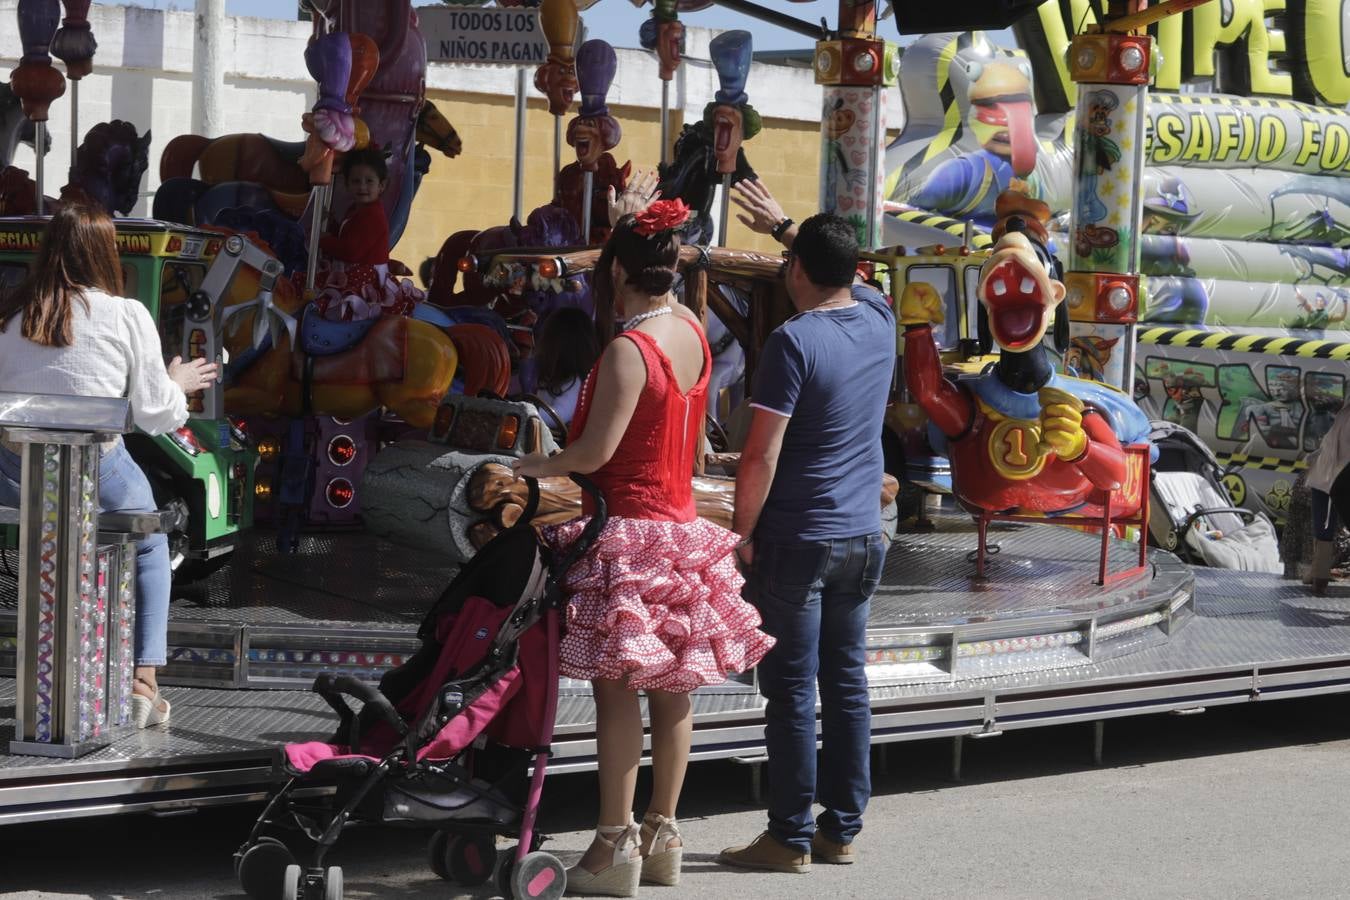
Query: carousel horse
(402, 364)
(547, 226)
(109, 165)
(692, 176)
(259, 172)
(15, 127)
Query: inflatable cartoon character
(1002, 117)
(1020, 437)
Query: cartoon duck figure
(1002, 117)
(592, 134)
(1020, 437)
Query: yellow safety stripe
(979, 240)
(1268, 345)
(1263, 463)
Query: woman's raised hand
(194, 375)
(640, 194)
(762, 212)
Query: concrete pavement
(1239, 802)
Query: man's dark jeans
(813, 598)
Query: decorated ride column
(74, 45)
(342, 64)
(557, 77)
(854, 69)
(730, 116)
(35, 81)
(1112, 72)
(664, 33)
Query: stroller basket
(447, 739)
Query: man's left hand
(746, 555)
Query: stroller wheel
(332, 883)
(290, 883)
(262, 867)
(471, 860)
(539, 876)
(436, 847)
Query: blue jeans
(123, 488)
(813, 598)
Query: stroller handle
(331, 687)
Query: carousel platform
(1036, 644)
(351, 602)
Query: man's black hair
(827, 248)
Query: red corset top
(650, 475)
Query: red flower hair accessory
(663, 215)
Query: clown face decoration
(728, 133)
(1019, 291)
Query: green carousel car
(203, 471)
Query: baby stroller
(446, 740)
(1193, 514)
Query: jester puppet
(1022, 438)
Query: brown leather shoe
(827, 851)
(766, 854)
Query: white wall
(143, 70)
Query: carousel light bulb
(1087, 57)
(824, 61)
(1131, 59)
(1119, 298)
(1076, 298)
(863, 62)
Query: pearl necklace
(642, 317)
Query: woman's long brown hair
(78, 251)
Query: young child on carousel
(354, 278)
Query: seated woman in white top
(564, 352)
(66, 330)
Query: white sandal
(620, 878)
(662, 863)
(145, 711)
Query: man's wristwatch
(781, 228)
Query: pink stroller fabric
(512, 710)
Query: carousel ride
(994, 616)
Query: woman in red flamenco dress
(354, 277)
(655, 606)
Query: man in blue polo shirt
(812, 550)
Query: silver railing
(77, 576)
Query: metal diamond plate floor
(335, 579)
(1038, 570)
(1253, 637)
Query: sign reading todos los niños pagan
(473, 35)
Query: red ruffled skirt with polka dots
(659, 604)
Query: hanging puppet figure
(354, 277)
(593, 133)
(1020, 437)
